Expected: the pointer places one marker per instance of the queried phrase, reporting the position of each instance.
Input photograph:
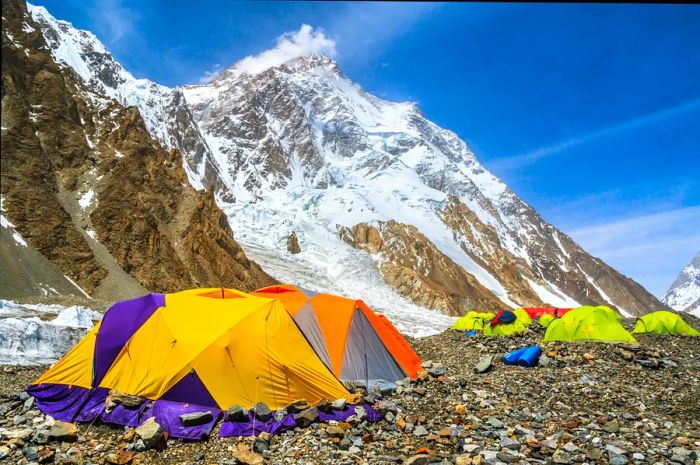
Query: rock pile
(584, 403)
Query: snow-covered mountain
(92, 204)
(386, 205)
(684, 293)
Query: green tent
(472, 320)
(519, 326)
(546, 319)
(588, 324)
(663, 322)
(523, 316)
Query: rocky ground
(590, 403)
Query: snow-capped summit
(684, 293)
(387, 206)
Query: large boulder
(64, 432)
(261, 412)
(196, 418)
(306, 417)
(237, 414)
(151, 433)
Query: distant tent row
(579, 324)
(210, 349)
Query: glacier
(40, 334)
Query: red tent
(536, 312)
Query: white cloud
(209, 74)
(651, 249)
(290, 45)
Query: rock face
(85, 184)
(298, 146)
(684, 293)
(293, 243)
(418, 270)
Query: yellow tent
(588, 324)
(663, 322)
(211, 347)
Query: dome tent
(663, 322)
(518, 326)
(354, 342)
(197, 350)
(588, 324)
(472, 320)
(546, 319)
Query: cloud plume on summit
(290, 45)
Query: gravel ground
(591, 403)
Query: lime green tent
(472, 320)
(523, 316)
(588, 324)
(546, 319)
(519, 326)
(663, 322)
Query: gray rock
(613, 426)
(28, 404)
(196, 418)
(237, 414)
(41, 436)
(344, 444)
(360, 413)
(560, 456)
(508, 443)
(4, 452)
(31, 452)
(151, 434)
(570, 447)
(484, 364)
(418, 460)
(260, 445)
(304, 418)
(339, 404)
(302, 405)
(261, 411)
(494, 422)
(64, 432)
(616, 459)
(19, 420)
(420, 431)
(436, 370)
(387, 406)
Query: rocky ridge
(85, 184)
(418, 270)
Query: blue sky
(591, 113)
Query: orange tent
(354, 342)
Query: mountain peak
(307, 45)
(684, 294)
